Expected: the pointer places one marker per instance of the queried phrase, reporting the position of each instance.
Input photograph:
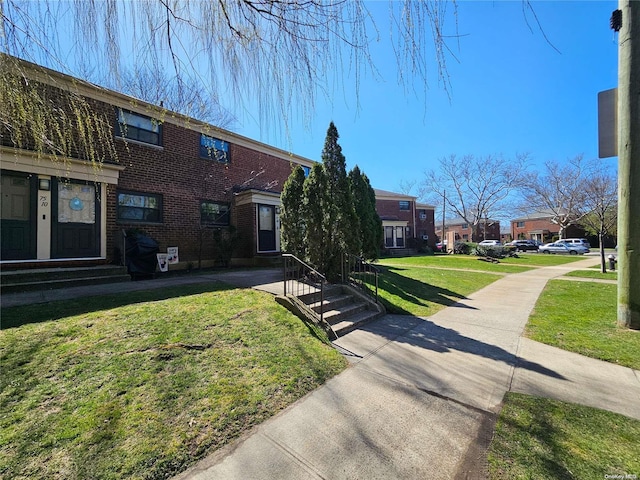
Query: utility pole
(629, 165)
(444, 207)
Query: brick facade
(464, 231)
(542, 229)
(175, 173)
(405, 222)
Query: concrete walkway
(422, 394)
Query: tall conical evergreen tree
(319, 220)
(342, 222)
(364, 199)
(314, 212)
(292, 222)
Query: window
(213, 148)
(139, 207)
(520, 224)
(465, 237)
(404, 205)
(214, 213)
(465, 226)
(138, 127)
(423, 214)
(306, 170)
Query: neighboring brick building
(405, 223)
(175, 178)
(539, 226)
(489, 230)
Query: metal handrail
(300, 280)
(355, 271)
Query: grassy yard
(525, 261)
(540, 439)
(593, 274)
(581, 317)
(423, 285)
(422, 292)
(142, 385)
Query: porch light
(44, 184)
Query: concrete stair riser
(344, 309)
(56, 278)
(48, 274)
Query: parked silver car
(489, 243)
(561, 247)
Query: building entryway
(266, 228)
(394, 236)
(18, 203)
(75, 229)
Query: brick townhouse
(539, 226)
(404, 221)
(463, 231)
(173, 177)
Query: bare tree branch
(476, 189)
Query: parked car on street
(563, 248)
(523, 245)
(576, 241)
(489, 243)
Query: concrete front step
(63, 283)
(332, 303)
(338, 314)
(47, 274)
(401, 252)
(343, 309)
(355, 321)
(52, 278)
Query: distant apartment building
(540, 226)
(487, 230)
(405, 222)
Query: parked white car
(489, 243)
(561, 247)
(576, 241)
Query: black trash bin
(141, 255)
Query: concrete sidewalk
(268, 280)
(422, 394)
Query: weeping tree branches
(51, 122)
(280, 55)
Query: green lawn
(581, 317)
(537, 438)
(141, 385)
(593, 274)
(422, 291)
(525, 261)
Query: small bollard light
(612, 263)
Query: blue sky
(511, 92)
